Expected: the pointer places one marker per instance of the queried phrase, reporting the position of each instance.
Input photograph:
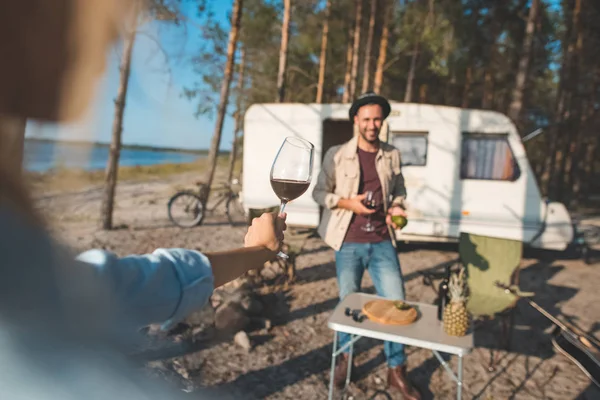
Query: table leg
(455, 378)
(349, 361)
(460, 379)
(333, 357)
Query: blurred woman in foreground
(65, 321)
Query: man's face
(369, 119)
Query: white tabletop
(426, 332)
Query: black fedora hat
(370, 98)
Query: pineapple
(456, 319)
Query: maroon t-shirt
(369, 180)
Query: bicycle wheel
(186, 209)
(235, 211)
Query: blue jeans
(381, 260)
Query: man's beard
(363, 134)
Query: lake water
(41, 156)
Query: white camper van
(465, 170)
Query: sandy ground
(291, 359)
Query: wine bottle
(443, 297)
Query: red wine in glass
(288, 189)
(370, 203)
(291, 172)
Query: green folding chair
(489, 260)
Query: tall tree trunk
(283, 51)
(383, 44)
(569, 110)
(554, 155)
(12, 142)
(466, 94)
(487, 101)
(412, 72)
(585, 175)
(430, 13)
(236, 19)
(355, 48)
(554, 152)
(239, 115)
(323, 58)
(584, 158)
(112, 167)
(572, 162)
(557, 155)
(428, 23)
(450, 89)
(467, 89)
(547, 170)
(549, 166)
(516, 105)
(349, 58)
(369, 45)
(423, 93)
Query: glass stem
(281, 254)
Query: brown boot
(397, 379)
(341, 370)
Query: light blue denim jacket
(65, 321)
(162, 287)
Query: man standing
(362, 236)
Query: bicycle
(188, 208)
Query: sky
(156, 113)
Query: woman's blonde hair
(58, 53)
(15, 194)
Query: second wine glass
(371, 205)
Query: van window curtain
(487, 158)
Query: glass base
(367, 228)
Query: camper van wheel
(186, 209)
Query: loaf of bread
(390, 312)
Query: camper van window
(487, 157)
(412, 146)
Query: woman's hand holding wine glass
(266, 231)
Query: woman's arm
(229, 265)
(169, 284)
(262, 242)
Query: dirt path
(291, 360)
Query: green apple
(399, 220)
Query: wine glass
(371, 205)
(292, 171)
